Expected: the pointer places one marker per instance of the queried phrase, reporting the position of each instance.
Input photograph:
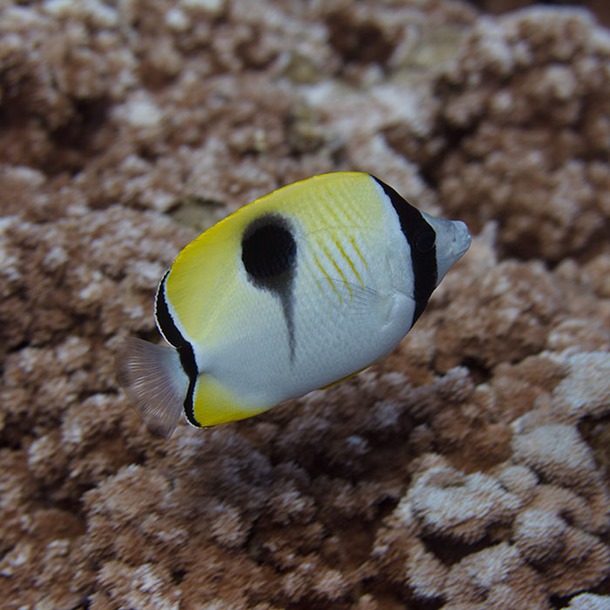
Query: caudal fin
(154, 382)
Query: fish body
(291, 293)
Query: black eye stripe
(423, 255)
(425, 241)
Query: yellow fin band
(215, 404)
(349, 262)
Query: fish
(294, 292)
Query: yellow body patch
(206, 271)
(214, 404)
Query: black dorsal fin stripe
(174, 337)
(418, 233)
(189, 402)
(165, 322)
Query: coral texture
(468, 470)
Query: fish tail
(154, 382)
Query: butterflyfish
(298, 290)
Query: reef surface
(468, 470)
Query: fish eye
(268, 249)
(424, 242)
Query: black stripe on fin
(422, 241)
(174, 337)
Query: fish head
(452, 242)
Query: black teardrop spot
(268, 250)
(269, 256)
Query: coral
(587, 601)
(448, 504)
(523, 132)
(469, 469)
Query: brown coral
(449, 504)
(469, 469)
(526, 107)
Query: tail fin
(154, 382)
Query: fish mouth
(465, 246)
(455, 247)
(452, 241)
(461, 238)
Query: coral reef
(468, 470)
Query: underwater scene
(343, 464)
